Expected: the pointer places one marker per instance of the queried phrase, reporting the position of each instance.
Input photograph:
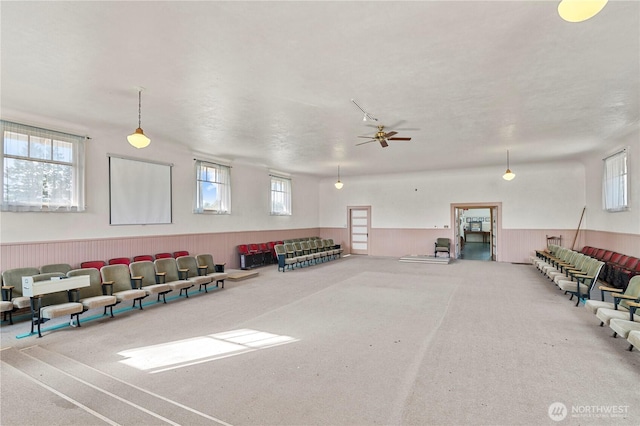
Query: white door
(359, 229)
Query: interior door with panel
(359, 223)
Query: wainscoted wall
(628, 244)
(221, 245)
(514, 245)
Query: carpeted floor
(356, 341)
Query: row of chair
(257, 254)
(98, 264)
(306, 253)
(618, 269)
(576, 274)
(110, 285)
(620, 315)
(573, 272)
(261, 254)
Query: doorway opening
(476, 228)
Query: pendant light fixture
(508, 175)
(338, 184)
(580, 10)
(138, 138)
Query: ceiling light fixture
(508, 175)
(338, 184)
(580, 10)
(138, 138)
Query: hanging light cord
(139, 108)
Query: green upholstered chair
(442, 245)
(96, 295)
(167, 268)
(143, 276)
(118, 280)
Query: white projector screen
(139, 192)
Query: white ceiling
(271, 82)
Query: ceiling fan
(382, 137)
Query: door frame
(349, 210)
(496, 240)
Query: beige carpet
(355, 341)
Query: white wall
(249, 198)
(541, 196)
(598, 219)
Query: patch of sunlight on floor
(197, 350)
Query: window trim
(77, 165)
(615, 189)
(288, 195)
(198, 208)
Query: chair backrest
(633, 290)
(290, 249)
(169, 267)
(119, 275)
(623, 260)
(443, 242)
(551, 239)
(56, 267)
(163, 255)
(144, 269)
(206, 260)
(98, 264)
(13, 277)
(280, 250)
(177, 254)
(632, 263)
(95, 281)
(190, 263)
(120, 261)
(615, 257)
(142, 257)
(607, 256)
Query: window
(615, 183)
(43, 170)
(213, 188)
(280, 196)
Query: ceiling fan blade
(368, 137)
(388, 135)
(384, 143)
(395, 125)
(399, 139)
(362, 143)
